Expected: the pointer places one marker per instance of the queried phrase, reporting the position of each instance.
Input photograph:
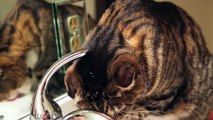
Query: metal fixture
(43, 107)
(76, 39)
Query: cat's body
(146, 61)
(27, 42)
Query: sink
(11, 110)
(66, 104)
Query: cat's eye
(125, 75)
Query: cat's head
(111, 87)
(109, 77)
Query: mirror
(40, 32)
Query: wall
(5, 7)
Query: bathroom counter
(15, 110)
(66, 104)
(10, 110)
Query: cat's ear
(125, 75)
(123, 70)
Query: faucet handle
(43, 107)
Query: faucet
(43, 107)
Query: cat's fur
(147, 60)
(27, 43)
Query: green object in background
(58, 33)
(57, 30)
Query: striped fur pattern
(147, 60)
(27, 44)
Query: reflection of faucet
(43, 107)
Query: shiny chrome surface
(43, 107)
(87, 115)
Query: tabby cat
(146, 60)
(27, 43)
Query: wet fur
(161, 48)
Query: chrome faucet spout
(43, 107)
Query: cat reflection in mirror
(28, 47)
(147, 60)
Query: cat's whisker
(116, 115)
(136, 117)
(126, 114)
(137, 113)
(149, 105)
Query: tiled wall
(5, 6)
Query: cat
(27, 44)
(146, 60)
